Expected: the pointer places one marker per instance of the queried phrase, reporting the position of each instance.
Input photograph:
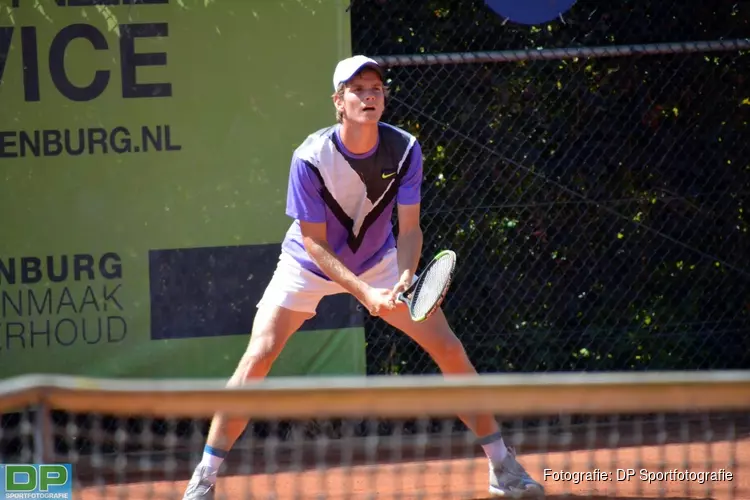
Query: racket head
(427, 293)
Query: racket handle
(400, 297)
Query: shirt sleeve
(304, 200)
(409, 192)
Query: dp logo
(38, 481)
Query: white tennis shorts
(299, 289)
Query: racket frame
(405, 295)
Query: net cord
(383, 396)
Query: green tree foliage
(599, 206)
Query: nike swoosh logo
(388, 176)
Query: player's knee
(257, 360)
(264, 351)
(449, 348)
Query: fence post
(44, 449)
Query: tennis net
(609, 435)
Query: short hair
(340, 92)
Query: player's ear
(338, 103)
(338, 98)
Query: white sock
(496, 451)
(213, 457)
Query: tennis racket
(426, 294)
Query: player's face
(364, 98)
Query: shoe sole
(495, 492)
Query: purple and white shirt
(353, 194)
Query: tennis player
(344, 183)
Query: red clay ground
(467, 478)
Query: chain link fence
(591, 173)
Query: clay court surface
(467, 478)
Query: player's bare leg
(435, 336)
(272, 328)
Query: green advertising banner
(144, 157)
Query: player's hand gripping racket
(426, 294)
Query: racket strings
(432, 286)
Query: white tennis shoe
(510, 479)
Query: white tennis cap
(349, 67)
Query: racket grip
(400, 297)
